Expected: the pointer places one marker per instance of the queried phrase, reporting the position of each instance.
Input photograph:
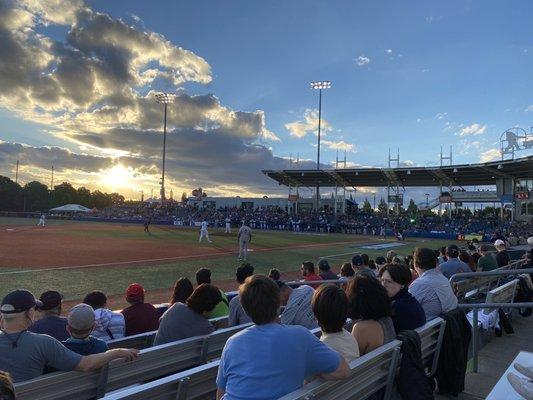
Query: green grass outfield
(75, 283)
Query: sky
(78, 82)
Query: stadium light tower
(166, 99)
(319, 85)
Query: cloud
(474, 129)
(362, 60)
(529, 108)
(388, 51)
(340, 145)
(490, 155)
(309, 124)
(94, 89)
(441, 115)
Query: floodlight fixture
(165, 98)
(321, 85)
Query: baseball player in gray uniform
(245, 236)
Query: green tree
(412, 208)
(36, 196)
(367, 208)
(10, 195)
(382, 206)
(84, 197)
(64, 194)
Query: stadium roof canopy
(453, 175)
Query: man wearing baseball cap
(325, 270)
(51, 323)
(80, 325)
(140, 317)
(24, 354)
(358, 265)
(502, 257)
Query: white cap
(499, 242)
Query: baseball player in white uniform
(228, 225)
(42, 220)
(245, 237)
(204, 233)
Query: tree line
(36, 196)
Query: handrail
(475, 307)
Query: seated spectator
(274, 274)
(453, 265)
(442, 255)
(407, 313)
(465, 257)
(487, 261)
(51, 323)
(250, 369)
(325, 270)
(390, 256)
(109, 324)
(473, 250)
(369, 304)
(330, 306)
(380, 262)
(182, 290)
(346, 271)
(237, 316)
(7, 390)
(308, 273)
(182, 321)
(358, 265)
(203, 275)
(24, 354)
(502, 256)
(140, 317)
(297, 303)
(432, 290)
(80, 325)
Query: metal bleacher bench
(370, 373)
(152, 363)
(145, 340)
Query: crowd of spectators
(380, 297)
(354, 221)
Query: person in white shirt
(204, 233)
(330, 307)
(42, 220)
(228, 225)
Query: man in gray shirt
(237, 316)
(432, 290)
(25, 354)
(297, 304)
(183, 321)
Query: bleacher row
(186, 369)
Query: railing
(475, 307)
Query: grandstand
(513, 181)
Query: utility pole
(52, 180)
(17, 173)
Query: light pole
(166, 99)
(319, 85)
(427, 201)
(374, 194)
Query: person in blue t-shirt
(270, 360)
(80, 324)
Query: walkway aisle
(494, 359)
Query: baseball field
(77, 257)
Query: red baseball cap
(134, 291)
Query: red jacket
(140, 318)
(311, 278)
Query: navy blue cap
(19, 301)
